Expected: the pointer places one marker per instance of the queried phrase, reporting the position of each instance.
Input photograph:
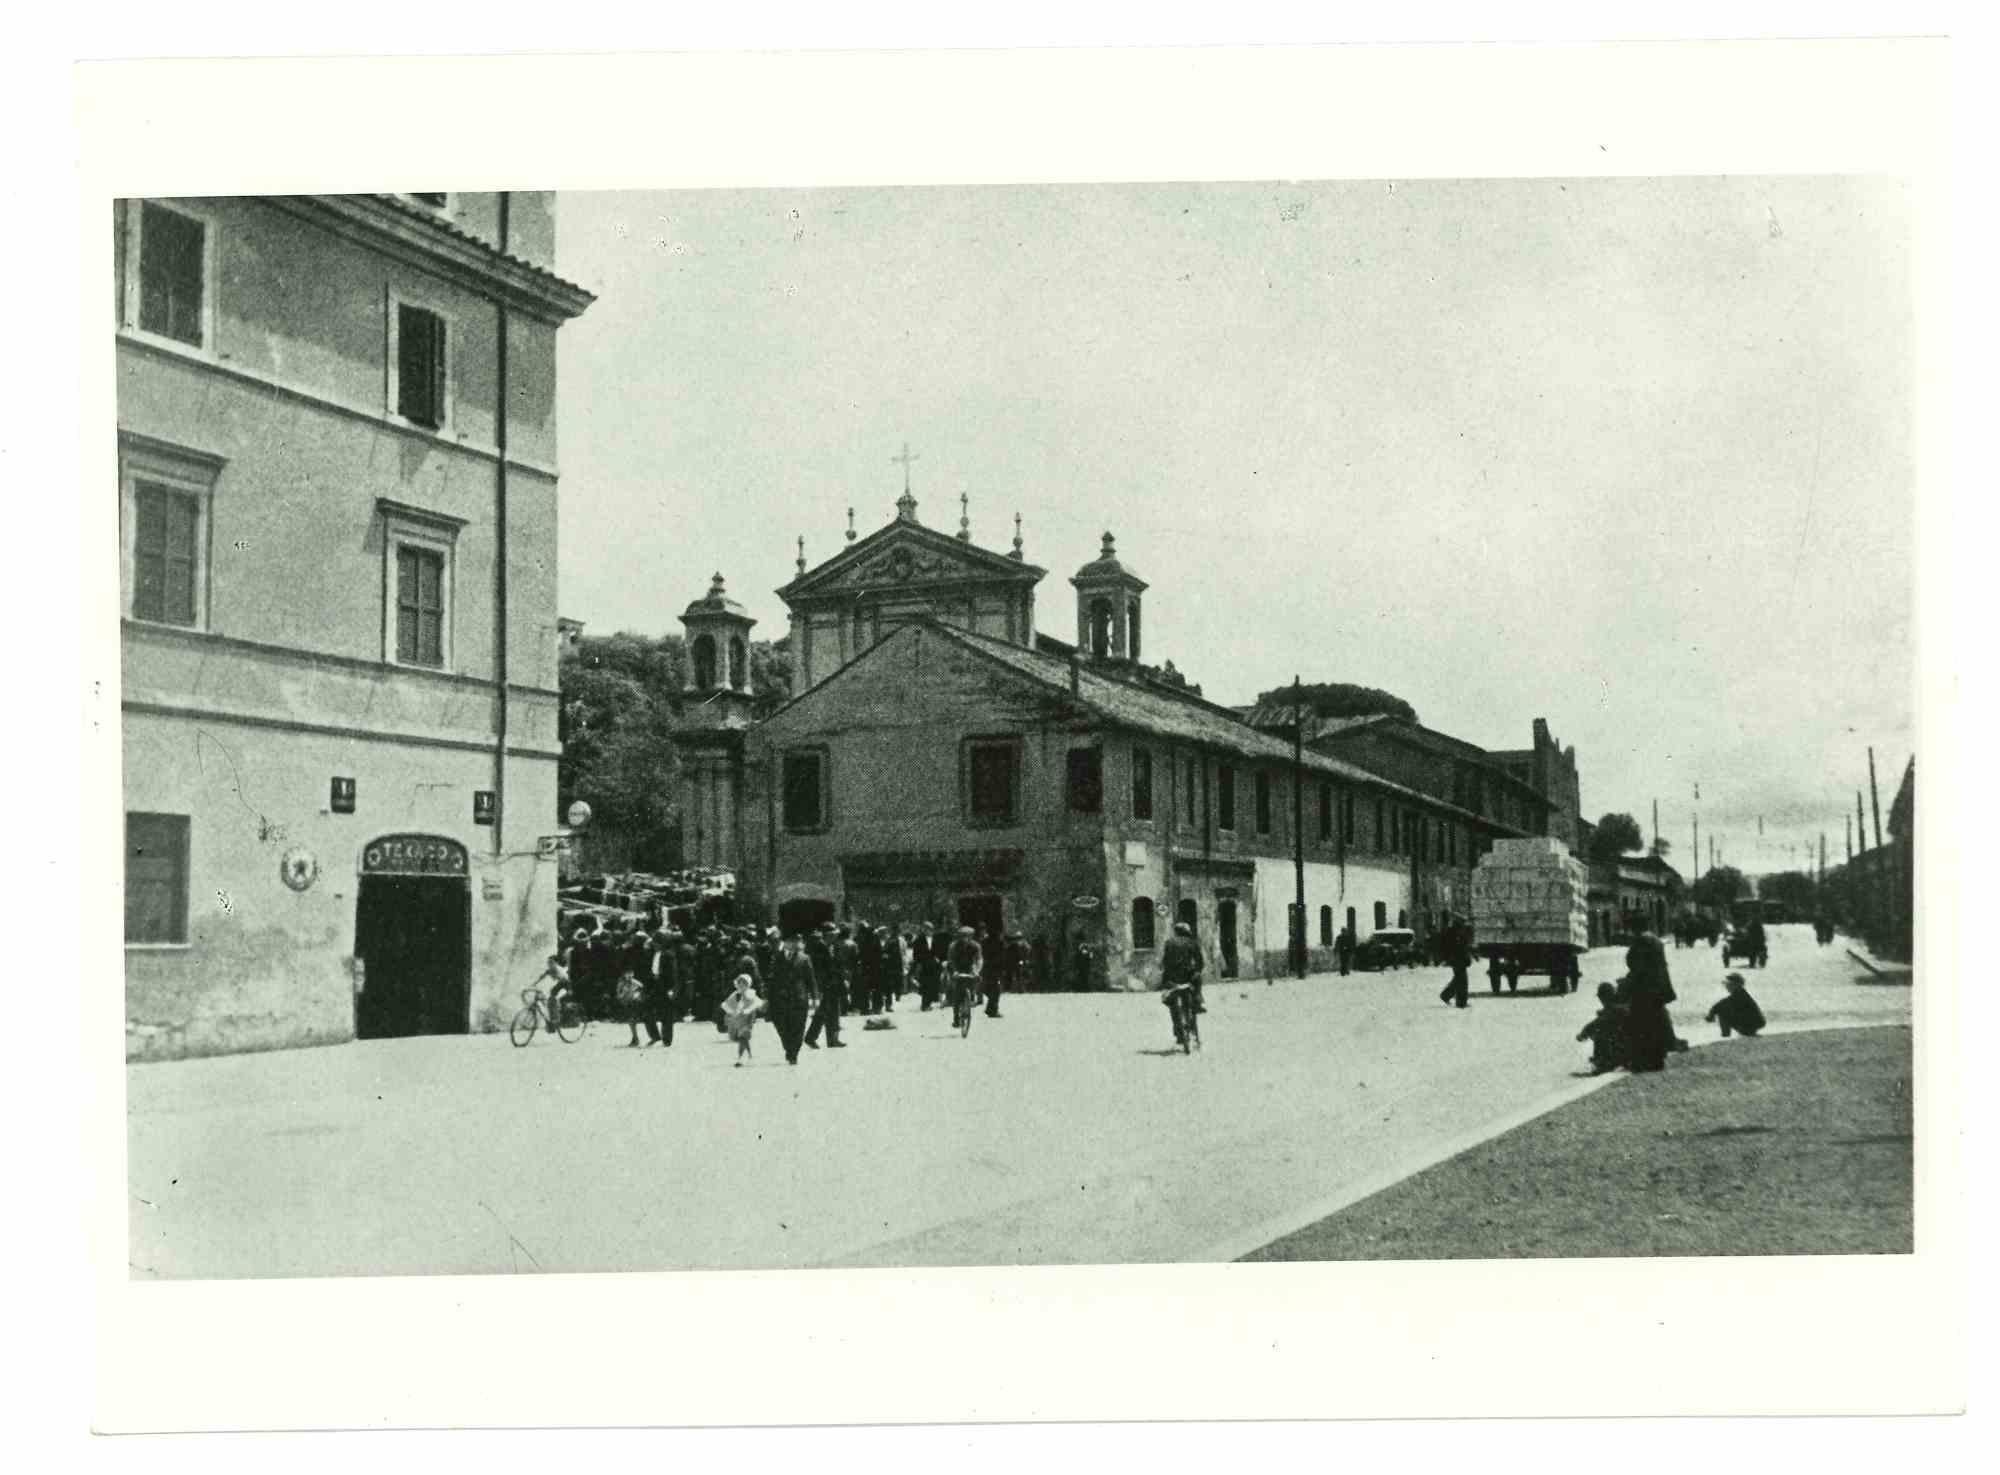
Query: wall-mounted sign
(413, 855)
(550, 847)
(342, 800)
(484, 805)
(492, 888)
(298, 868)
(1086, 903)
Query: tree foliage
(1341, 699)
(1795, 889)
(1719, 887)
(1615, 835)
(621, 701)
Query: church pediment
(907, 556)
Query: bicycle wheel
(566, 1019)
(522, 1029)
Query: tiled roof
(1154, 711)
(437, 220)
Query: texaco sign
(413, 855)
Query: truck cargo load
(1531, 910)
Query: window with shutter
(156, 878)
(419, 607)
(420, 366)
(173, 270)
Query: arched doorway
(804, 914)
(413, 935)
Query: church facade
(945, 760)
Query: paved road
(1066, 1132)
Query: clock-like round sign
(298, 868)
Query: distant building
(1551, 770)
(946, 761)
(568, 633)
(1880, 882)
(336, 458)
(1626, 889)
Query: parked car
(1388, 947)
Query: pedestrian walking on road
(927, 953)
(739, 1014)
(1343, 950)
(662, 990)
(832, 988)
(1457, 942)
(791, 988)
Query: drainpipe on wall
(500, 557)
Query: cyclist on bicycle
(963, 962)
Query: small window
(1188, 915)
(1225, 797)
(1086, 780)
(1381, 915)
(1188, 792)
(1100, 627)
(739, 665)
(166, 554)
(1402, 917)
(1142, 922)
(1325, 810)
(419, 607)
(704, 662)
(1142, 783)
(1350, 923)
(1326, 926)
(173, 275)
(156, 878)
(420, 366)
(993, 773)
(1263, 783)
(804, 791)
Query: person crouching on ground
(1736, 1012)
(739, 1013)
(1606, 1032)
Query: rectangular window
(420, 365)
(1225, 797)
(1325, 810)
(1381, 915)
(156, 878)
(1086, 780)
(1263, 803)
(173, 273)
(165, 554)
(804, 791)
(419, 607)
(1142, 783)
(1188, 793)
(993, 771)
(1381, 833)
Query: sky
(1632, 455)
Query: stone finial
(850, 524)
(1109, 549)
(1017, 536)
(964, 519)
(802, 552)
(715, 586)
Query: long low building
(955, 766)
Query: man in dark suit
(792, 985)
(1457, 941)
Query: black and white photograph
(988, 724)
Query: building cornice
(437, 246)
(176, 635)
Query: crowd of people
(652, 976)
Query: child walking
(1736, 1010)
(739, 1015)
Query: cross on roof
(904, 461)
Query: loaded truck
(1531, 913)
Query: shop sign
(413, 855)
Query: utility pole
(1299, 827)
(1847, 830)
(1697, 847)
(1874, 799)
(1860, 824)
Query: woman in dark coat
(1647, 990)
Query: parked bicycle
(557, 1011)
(1179, 1000)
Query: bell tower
(717, 692)
(1107, 607)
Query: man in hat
(1457, 941)
(926, 958)
(1181, 962)
(1736, 1012)
(792, 985)
(831, 988)
(964, 960)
